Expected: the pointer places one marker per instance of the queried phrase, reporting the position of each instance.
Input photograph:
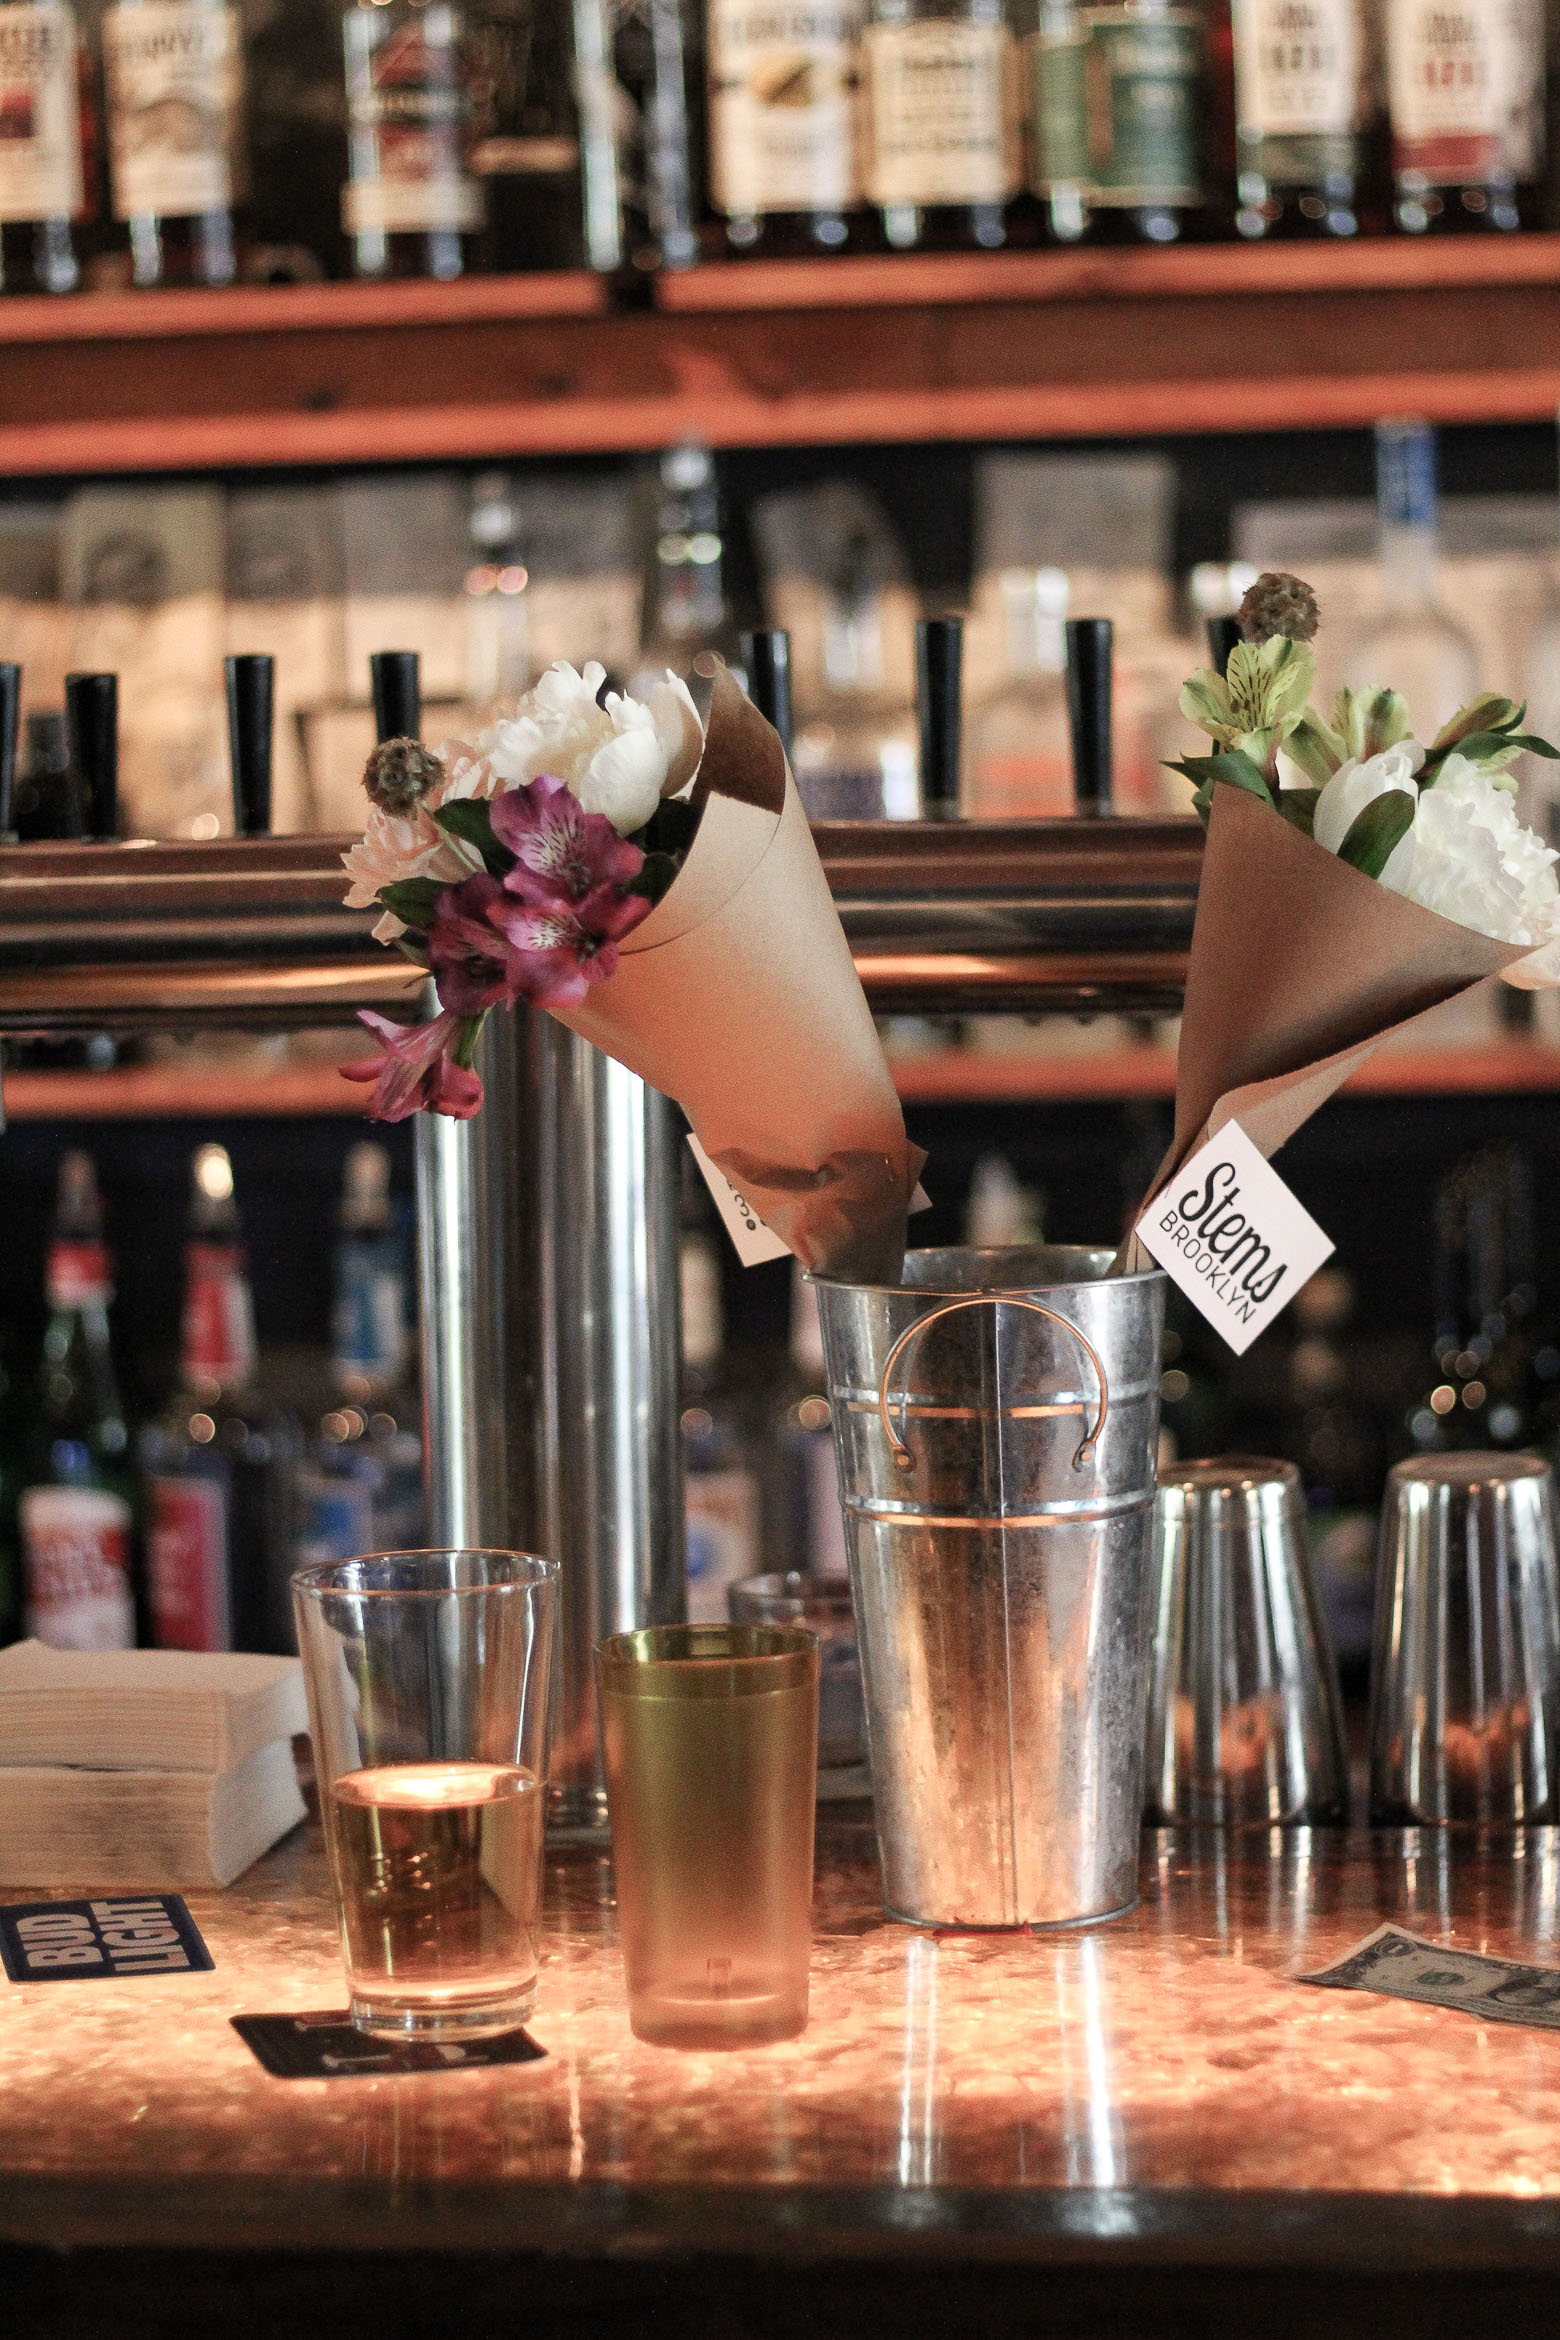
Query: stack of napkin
(146, 1767)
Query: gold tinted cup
(710, 1734)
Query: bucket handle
(896, 1438)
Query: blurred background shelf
(1112, 1073)
(865, 351)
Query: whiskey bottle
(1465, 87)
(686, 592)
(783, 164)
(941, 127)
(42, 176)
(855, 751)
(1115, 101)
(410, 206)
(173, 71)
(219, 1461)
(75, 1513)
(525, 135)
(1019, 761)
(1301, 94)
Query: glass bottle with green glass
(1116, 99)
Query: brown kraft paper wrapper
(738, 998)
(1300, 968)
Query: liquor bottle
(941, 129)
(686, 593)
(173, 72)
(638, 70)
(856, 751)
(784, 169)
(1465, 89)
(1412, 644)
(721, 1487)
(804, 1528)
(525, 136)
(1115, 99)
(218, 1461)
(1019, 758)
(1301, 96)
(77, 1525)
(498, 657)
(410, 205)
(42, 171)
(371, 1433)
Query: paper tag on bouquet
(1227, 1230)
(752, 1240)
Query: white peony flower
(1358, 783)
(1474, 862)
(619, 758)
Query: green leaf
(1375, 833)
(412, 946)
(1298, 806)
(468, 819)
(1481, 747)
(1232, 766)
(412, 900)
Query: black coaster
(118, 1934)
(327, 2047)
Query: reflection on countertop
(1168, 2050)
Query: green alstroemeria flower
(1488, 734)
(1255, 705)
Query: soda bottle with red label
(218, 1462)
(77, 1526)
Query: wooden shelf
(954, 1077)
(889, 350)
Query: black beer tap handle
(1223, 634)
(92, 736)
(939, 670)
(10, 729)
(251, 699)
(397, 684)
(1089, 646)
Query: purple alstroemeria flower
(568, 946)
(563, 854)
(415, 1069)
(475, 964)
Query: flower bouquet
(652, 882)
(1352, 878)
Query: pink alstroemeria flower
(568, 946)
(474, 964)
(415, 1069)
(562, 852)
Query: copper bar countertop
(1154, 2094)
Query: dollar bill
(1402, 1966)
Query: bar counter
(1148, 2125)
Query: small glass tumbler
(1463, 1691)
(823, 1605)
(710, 1734)
(1244, 1720)
(428, 1677)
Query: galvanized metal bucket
(996, 1418)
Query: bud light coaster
(85, 1941)
(326, 2047)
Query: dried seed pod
(399, 774)
(1279, 604)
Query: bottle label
(1059, 99)
(40, 128)
(783, 105)
(943, 127)
(187, 1564)
(370, 1315)
(174, 70)
(78, 1274)
(409, 120)
(1463, 78)
(1298, 67)
(219, 1324)
(1143, 80)
(76, 1551)
(722, 1539)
